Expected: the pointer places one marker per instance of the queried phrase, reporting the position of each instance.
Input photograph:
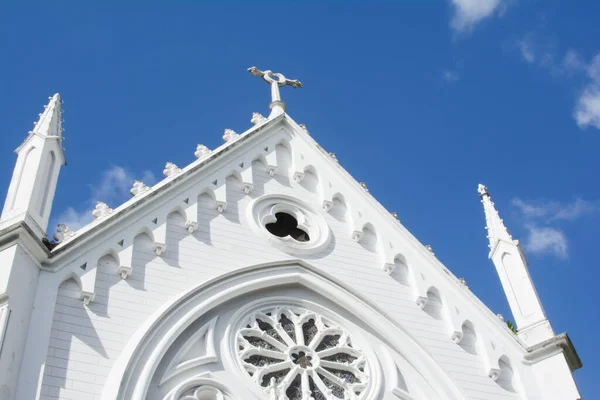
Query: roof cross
(276, 80)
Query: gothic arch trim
(132, 372)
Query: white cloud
(527, 51)
(468, 13)
(572, 62)
(112, 189)
(587, 110)
(546, 241)
(450, 76)
(538, 218)
(549, 211)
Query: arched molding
(134, 369)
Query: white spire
(494, 225)
(511, 265)
(50, 122)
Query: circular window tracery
(293, 353)
(290, 224)
(287, 225)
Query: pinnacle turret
(494, 224)
(50, 122)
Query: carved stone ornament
(257, 118)
(102, 210)
(294, 353)
(202, 151)
(63, 233)
(289, 224)
(304, 128)
(230, 135)
(138, 188)
(171, 170)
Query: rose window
(296, 354)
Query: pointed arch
(133, 371)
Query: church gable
(271, 195)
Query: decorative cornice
(559, 343)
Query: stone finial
(257, 118)
(333, 156)
(463, 281)
(482, 189)
(171, 170)
(63, 233)
(102, 210)
(395, 215)
(202, 151)
(138, 188)
(364, 186)
(429, 248)
(230, 135)
(304, 128)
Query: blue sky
(422, 100)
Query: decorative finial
(257, 118)
(430, 249)
(500, 317)
(463, 281)
(63, 233)
(395, 215)
(171, 170)
(364, 186)
(102, 210)
(276, 80)
(304, 128)
(333, 156)
(230, 135)
(202, 151)
(138, 188)
(482, 190)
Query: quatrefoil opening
(287, 225)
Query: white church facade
(260, 271)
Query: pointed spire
(494, 225)
(50, 122)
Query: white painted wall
(78, 344)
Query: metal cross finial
(276, 80)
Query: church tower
(35, 176)
(511, 264)
(23, 225)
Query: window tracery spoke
(296, 354)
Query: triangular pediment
(227, 205)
